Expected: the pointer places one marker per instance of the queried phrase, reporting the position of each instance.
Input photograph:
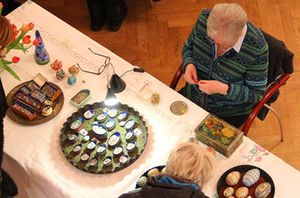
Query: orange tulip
(24, 28)
(15, 59)
(26, 39)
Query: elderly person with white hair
(225, 63)
(188, 170)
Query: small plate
(179, 107)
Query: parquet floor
(153, 38)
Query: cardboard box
(220, 135)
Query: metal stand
(278, 118)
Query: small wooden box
(220, 135)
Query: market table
(33, 155)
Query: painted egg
(111, 123)
(113, 112)
(164, 170)
(101, 149)
(114, 139)
(193, 140)
(228, 192)
(124, 159)
(241, 192)
(231, 197)
(74, 70)
(93, 162)
(212, 151)
(251, 177)
(56, 65)
(123, 116)
(102, 117)
(72, 80)
(77, 148)
(263, 190)
(89, 114)
(91, 145)
(60, 74)
(142, 181)
(73, 137)
(129, 124)
(249, 196)
(153, 172)
(130, 146)
(107, 161)
(77, 124)
(122, 123)
(86, 138)
(83, 132)
(118, 150)
(129, 135)
(233, 178)
(85, 156)
(99, 129)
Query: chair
(277, 77)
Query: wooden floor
(153, 38)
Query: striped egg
(228, 192)
(251, 177)
(241, 192)
(263, 190)
(233, 178)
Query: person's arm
(255, 82)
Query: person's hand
(190, 74)
(213, 87)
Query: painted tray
(57, 106)
(68, 143)
(264, 177)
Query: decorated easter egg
(153, 172)
(130, 146)
(233, 178)
(263, 190)
(249, 196)
(114, 139)
(94, 161)
(73, 70)
(251, 177)
(129, 124)
(56, 65)
(211, 150)
(89, 114)
(113, 112)
(118, 150)
(129, 135)
(123, 116)
(101, 149)
(60, 74)
(142, 180)
(110, 124)
(107, 161)
(72, 80)
(124, 159)
(164, 170)
(231, 197)
(193, 140)
(228, 192)
(241, 192)
(102, 117)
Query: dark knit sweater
(245, 72)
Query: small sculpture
(41, 55)
(73, 70)
(72, 80)
(60, 74)
(56, 65)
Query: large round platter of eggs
(101, 139)
(245, 181)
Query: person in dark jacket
(188, 170)
(8, 187)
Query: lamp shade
(117, 84)
(111, 98)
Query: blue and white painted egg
(251, 177)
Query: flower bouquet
(20, 41)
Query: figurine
(41, 55)
(72, 80)
(73, 70)
(56, 65)
(60, 74)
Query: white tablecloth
(33, 155)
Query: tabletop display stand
(98, 153)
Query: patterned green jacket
(245, 72)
